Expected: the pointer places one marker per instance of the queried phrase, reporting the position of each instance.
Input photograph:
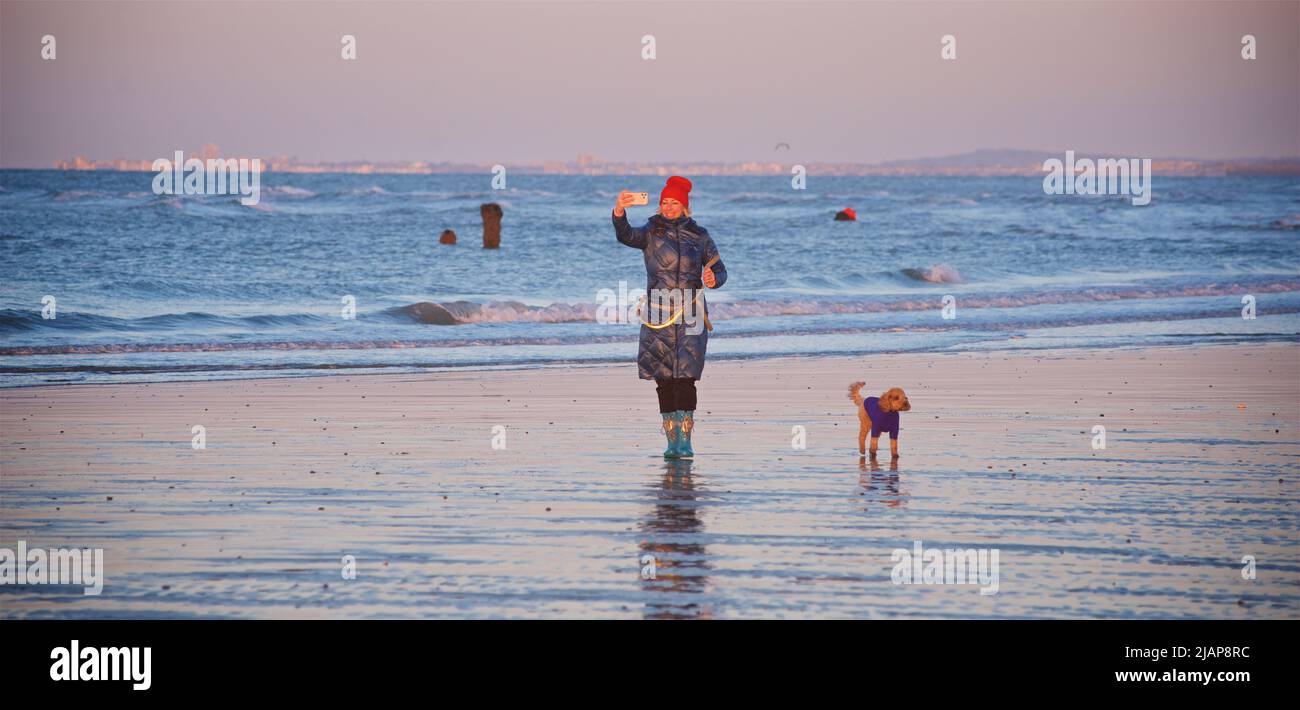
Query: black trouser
(676, 394)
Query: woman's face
(670, 208)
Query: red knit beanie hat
(678, 188)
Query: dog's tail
(855, 392)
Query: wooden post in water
(491, 225)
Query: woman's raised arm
(632, 236)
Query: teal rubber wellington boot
(685, 425)
(672, 430)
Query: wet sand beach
(401, 472)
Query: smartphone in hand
(640, 198)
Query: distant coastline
(975, 163)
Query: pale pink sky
(513, 83)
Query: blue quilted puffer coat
(675, 253)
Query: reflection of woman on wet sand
(680, 567)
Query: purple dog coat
(880, 420)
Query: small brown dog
(878, 414)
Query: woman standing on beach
(680, 257)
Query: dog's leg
(893, 447)
(875, 441)
(862, 437)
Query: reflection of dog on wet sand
(878, 414)
(879, 488)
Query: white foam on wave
(465, 312)
(937, 274)
(73, 195)
(371, 190)
(288, 191)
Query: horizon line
(983, 161)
